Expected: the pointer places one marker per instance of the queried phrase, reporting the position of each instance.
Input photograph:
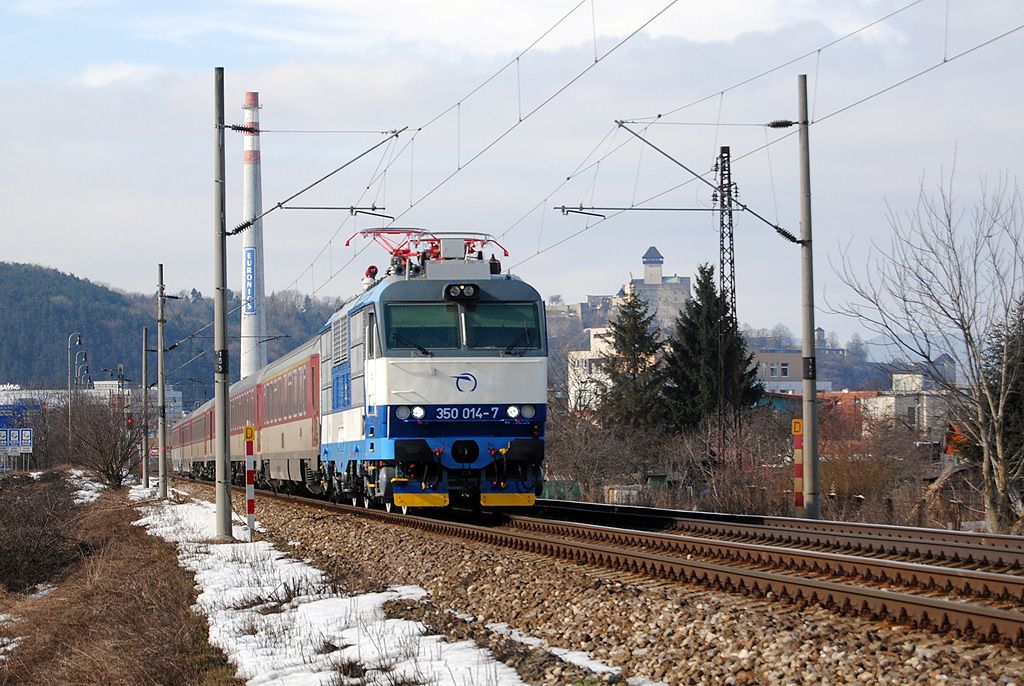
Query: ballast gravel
(658, 631)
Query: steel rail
(930, 577)
(934, 544)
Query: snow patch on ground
(42, 590)
(575, 657)
(88, 490)
(7, 644)
(280, 622)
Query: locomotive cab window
(421, 326)
(512, 327)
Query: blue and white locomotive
(427, 390)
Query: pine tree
(691, 364)
(631, 396)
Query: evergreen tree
(691, 365)
(631, 396)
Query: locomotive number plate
(464, 413)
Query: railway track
(986, 605)
(990, 551)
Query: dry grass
(120, 615)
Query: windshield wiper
(524, 338)
(399, 338)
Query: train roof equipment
(416, 251)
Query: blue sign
(26, 439)
(14, 414)
(249, 293)
(3, 438)
(14, 438)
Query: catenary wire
(642, 120)
(779, 66)
(533, 111)
(656, 119)
(438, 116)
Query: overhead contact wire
(536, 109)
(782, 65)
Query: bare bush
(122, 615)
(38, 527)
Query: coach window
(511, 327)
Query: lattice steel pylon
(728, 413)
(726, 251)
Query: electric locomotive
(427, 390)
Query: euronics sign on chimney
(250, 281)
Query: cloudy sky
(106, 163)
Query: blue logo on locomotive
(465, 378)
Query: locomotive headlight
(528, 411)
(512, 411)
(461, 291)
(418, 412)
(402, 412)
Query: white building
(103, 391)
(921, 409)
(585, 375)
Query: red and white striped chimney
(254, 319)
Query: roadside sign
(798, 427)
(250, 432)
(26, 440)
(10, 442)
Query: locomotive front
(453, 379)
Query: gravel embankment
(678, 634)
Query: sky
(106, 165)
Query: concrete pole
(160, 393)
(222, 446)
(253, 347)
(70, 338)
(812, 502)
(145, 407)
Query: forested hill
(40, 307)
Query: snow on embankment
(279, 621)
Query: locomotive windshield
(422, 326)
(512, 327)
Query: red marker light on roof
(371, 271)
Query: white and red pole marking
(250, 481)
(798, 467)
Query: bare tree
(106, 441)
(781, 337)
(951, 281)
(581, 451)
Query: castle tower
(652, 266)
